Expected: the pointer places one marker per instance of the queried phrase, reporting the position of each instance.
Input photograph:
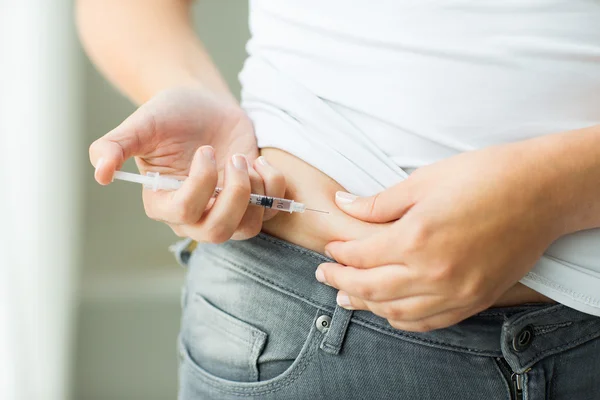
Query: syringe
(154, 181)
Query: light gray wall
(129, 297)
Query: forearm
(565, 169)
(145, 46)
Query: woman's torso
(345, 96)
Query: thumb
(388, 205)
(130, 138)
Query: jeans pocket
(220, 343)
(205, 372)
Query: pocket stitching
(291, 246)
(307, 353)
(255, 338)
(240, 269)
(253, 331)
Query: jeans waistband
(521, 334)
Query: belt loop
(183, 250)
(334, 337)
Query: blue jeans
(257, 324)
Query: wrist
(185, 79)
(562, 169)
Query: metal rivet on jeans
(185, 256)
(323, 323)
(522, 340)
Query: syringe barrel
(271, 202)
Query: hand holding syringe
(154, 181)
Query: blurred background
(89, 294)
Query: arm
(145, 46)
(567, 165)
(190, 125)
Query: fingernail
(99, 164)
(320, 275)
(344, 197)
(239, 161)
(263, 161)
(343, 300)
(328, 254)
(209, 153)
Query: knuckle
(239, 189)
(150, 211)
(396, 324)
(206, 175)
(277, 179)
(422, 327)
(443, 272)
(253, 229)
(248, 231)
(471, 292)
(365, 292)
(177, 231)
(349, 257)
(419, 234)
(185, 211)
(393, 313)
(217, 234)
(361, 259)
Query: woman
(493, 106)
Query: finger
(221, 221)
(187, 204)
(432, 319)
(385, 206)
(251, 222)
(274, 183)
(130, 138)
(439, 321)
(386, 282)
(178, 230)
(408, 309)
(351, 302)
(367, 252)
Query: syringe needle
(312, 209)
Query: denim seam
(338, 338)
(536, 357)
(249, 329)
(536, 314)
(297, 249)
(366, 323)
(270, 282)
(270, 387)
(544, 329)
(232, 335)
(395, 332)
(369, 324)
(503, 377)
(257, 346)
(553, 385)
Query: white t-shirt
(365, 89)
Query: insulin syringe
(154, 181)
